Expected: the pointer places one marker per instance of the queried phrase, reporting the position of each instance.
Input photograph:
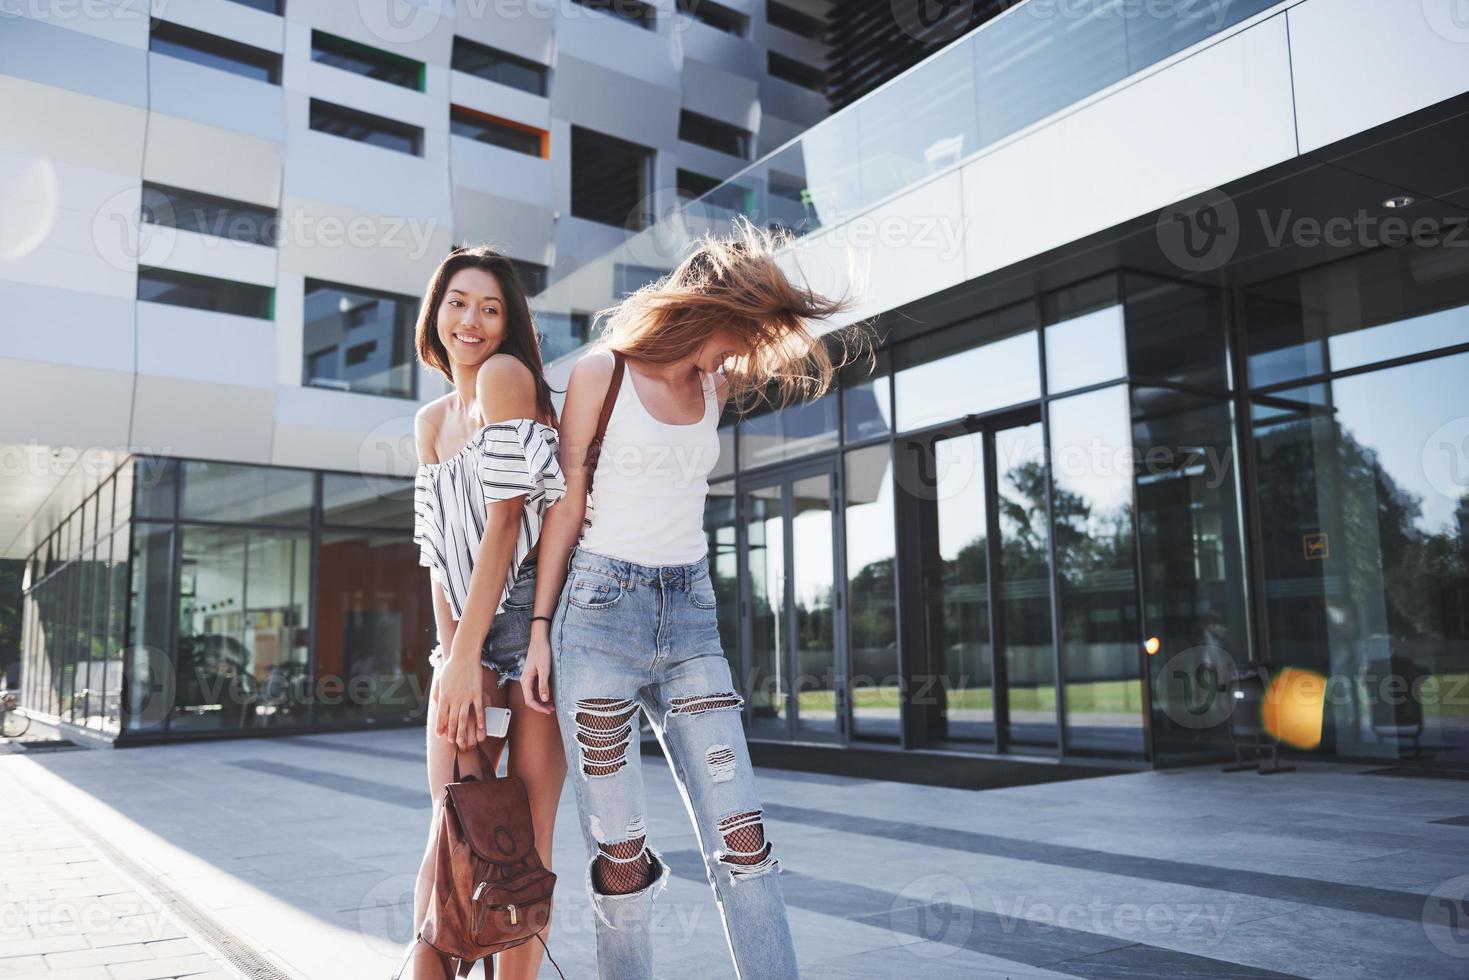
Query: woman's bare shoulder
(426, 423)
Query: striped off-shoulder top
(501, 461)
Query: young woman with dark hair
(634, 626)
(488, 471)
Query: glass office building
(1028, 532)
(190, 597)
(1089, 471)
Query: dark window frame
(375, 63)
(797, 22)
(246, 296)
(788, 69)
(212, 51)
(277, 7)
(491, 58)
(634, 12)
(589, 191)
(213, 213)
(497, 131)
(533, 275)
(407, 312)
(717, 16)
(711, 134)
(323, 111)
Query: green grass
(1102, 697)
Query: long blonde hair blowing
(733, 281)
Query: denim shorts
(509, 636)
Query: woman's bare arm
(562, 527)
(424, 438)
(505, 390)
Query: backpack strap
(473, 764)
(594, 449)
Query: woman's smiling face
(718, 348)
(471, 318)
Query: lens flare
(1152, 644)
(1294, 707)
(29, 200)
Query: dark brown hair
(734, 281)
(521, 340)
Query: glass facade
(191, 597)
(74, 598)
(1359, 419)
(1052, 529)
(1038, 522)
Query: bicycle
(12, 724)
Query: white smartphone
(497, 722)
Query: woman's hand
(461, 711)
(535, 678)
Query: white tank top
(647, 500)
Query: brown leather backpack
(491, 892)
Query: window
(493, 65)
(205, 293)
(347, 55)
(610, 179)
(795, 21)
(633, 11)
(360, 353)
(694, 184)
(213, 51)
(485, 128)
(719, 17)
(1085, 342)
(982, 364)
(532, 276)
(364, 127)
(358, 339)
(221, 217)
(713, 134)
(795, 72)
(561, 333)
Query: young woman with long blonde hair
(634, 626)
(488, 471)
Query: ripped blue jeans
(627, 636)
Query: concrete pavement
(294, 857)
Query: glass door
(981, 672)
(794, 662)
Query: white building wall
(87, 115)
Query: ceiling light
(1401, 201)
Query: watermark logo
(1445, 458)
(387, 448)
(153, 687)
(28, 209)
(1201, 921)
(385, 915)
(1200, 233)
(129, 231)
(661, 226)
(939, 909)
(1193, 687)
(933, 22)
(1448, 18)
(400, 21)
(71, 10)
(1446, 917)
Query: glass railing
(1016, 69)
